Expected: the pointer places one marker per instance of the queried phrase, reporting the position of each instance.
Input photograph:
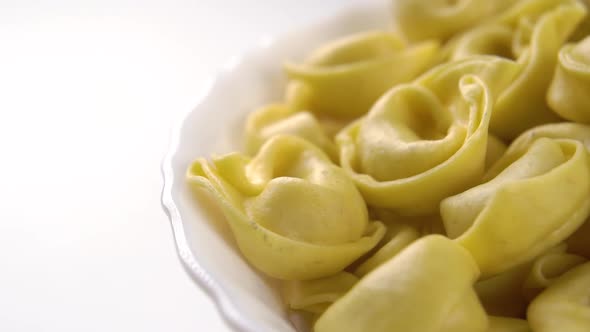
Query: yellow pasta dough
(531, 32)
(316, 295)
(441, 19)
(424, 179)
(344, 78)
(569, 92)
(401, 295)
(425, 141)
(567, 130)
(294, 214)
(277, 119)
(564, 306)
(546, 269)
(547, 190)
(397, 237)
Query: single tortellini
(517, 148)
(530, 33)
(315, 296)
(564, 306)
(546, 269)
(295, 215)
(506, 324)
(278, 119)
(343, 79)
(428, 287)
(536, 202)
(569, 94)
(425, 141)
(441, 19)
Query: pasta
(564, 305)
(416, 135)
(326, 227)
(424, 19)
(316, 295)
(274, 120)
(430, 178)
(546, 269)
(397, 237)
(449, 305)
(565, 130)
(531, 33)
(568, 94)
(343, 79)
(535, 190)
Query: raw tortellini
(531, 33)
(344, 78)
(400, 295)
(425, 179)
(274, 120)
(564, 305)
(568, 94)
(425, 141)
(441, 19)
(542, 197)
(294, 214)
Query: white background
(89, 91)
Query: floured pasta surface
(433, 176)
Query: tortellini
(315, 296)
(564, 306)
(344, 78)
(569, 92)
(546, 269)
(441, 19)
(565, 130)
(425, 141)
(397, 237)
(294, 214)
(277, 119)
(531, 33)
(400, 295)
(424, 178)
(542, 198)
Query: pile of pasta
(434, 177)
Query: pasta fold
(425, 141)
(440, 19)
(397, 237)
(539, 199)
(344, 78)
(278, 119)
(568, 94)
(315, 296)
(546, 269)
(400, 295)
(564, 305)
(294, 214)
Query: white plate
(247, 300)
